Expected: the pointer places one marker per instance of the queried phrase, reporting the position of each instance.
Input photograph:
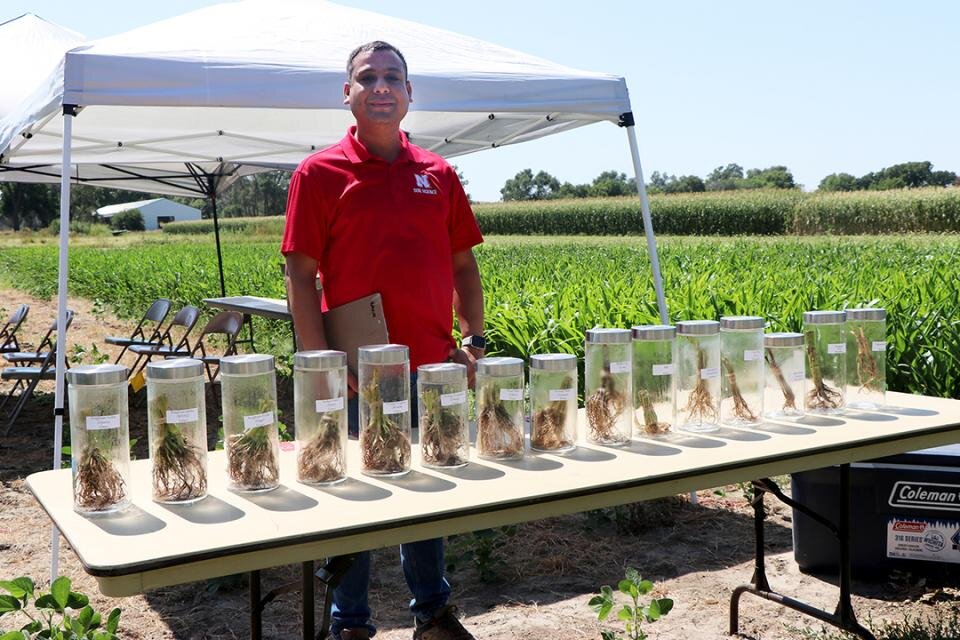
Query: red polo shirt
(388, 227)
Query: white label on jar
(556, 395)
(620, 367)
(453, 399)
(257, 420)
(182, 416)
(752, 355)
(796, 376)
(837, 347)
(333, 404)
(879, 346)
(709, 373)
(511, 394)
(393, 408)
(663, 369)
(95, 423)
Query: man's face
(378, 91)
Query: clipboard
(356, 324)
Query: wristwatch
(477, 342)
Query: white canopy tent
(30, 48)
(258, 83)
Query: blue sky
(820, 87)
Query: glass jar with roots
(654, 354)
(250, 430)
(442, 394)
(698, 375)
(607, 396)
(385, 409)
(320, 416)
(500, 408)
(741, 375)
(553, 402)
(99, 438)
(177, 426)
(866, 358)
(825, 338)
(785, 386)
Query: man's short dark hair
(370, 47)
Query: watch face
(477, 342)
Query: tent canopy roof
(260, 82)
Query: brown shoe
(361, 633)
(443, 626)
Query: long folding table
(152, 545)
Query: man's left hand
(467, 356)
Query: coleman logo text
(925, 495)
(423, 184)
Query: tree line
(35, 206)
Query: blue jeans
(422, 563)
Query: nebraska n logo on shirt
(423, 185)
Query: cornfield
(541, 294)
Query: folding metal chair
(227, 324)
(46, 344)
(168, 345)
(156, 314)
(8, 334)
(26, 380)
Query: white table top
(253, 305)
(152, 545)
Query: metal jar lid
(824, 317)
(95, 374)
(740, 323)
(608, 336)
(324, 360)
(246, 364)
(500, 367)
(442, 373)
(868, 313)
(384, 354)
(175, 369)
(554, 362)
(698, 328)
(654, 332)
(783, 340)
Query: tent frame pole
(69, 113)
(647, 223)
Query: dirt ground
(544, 574)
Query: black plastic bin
(905, 515)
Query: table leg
(256, 607)
(306, 599)
(843, 617)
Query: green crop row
(542, 294)
(728, 213)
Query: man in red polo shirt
(375, 213)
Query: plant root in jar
(441, 432)
(547, 426)
(867, 371)
(604, 407)
(700, 403)
(496, 434)
(178, 471)
(383, 445)
(647, 416)
(789, 397)
(741, 408)
(250, 459)
(99, 485)
(822, 396)
(321, 458)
